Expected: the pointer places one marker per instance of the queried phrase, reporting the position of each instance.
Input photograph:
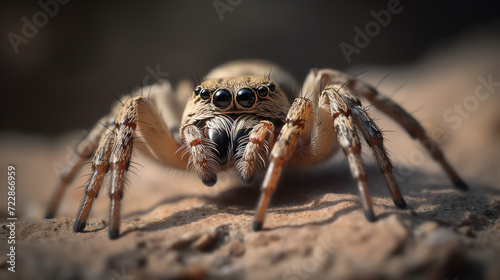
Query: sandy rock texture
(173, 227)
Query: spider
(240, 117)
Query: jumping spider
(242, 117)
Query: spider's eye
(263, 91)
(205, 94)
(222, 98)
(197, 91)
(271, 86)
(245, 97)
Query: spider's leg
(137, 113)
(202, 159)
(340, 104)
(119, 160)
(136, 117)
(375, 140)
(252, 154)
(99, 168)
(132, 118)
(297, 121)
(84, 150)
(337, 102)
(410, 124)
(113, 155)
(349, 140)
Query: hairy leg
(411, 125)
(252, 155)
(84, 150)
(322, 78)
(113, 155)
(202, 159)
(99, 168)
(151, 126)
(297, 121)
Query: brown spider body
(242, 117)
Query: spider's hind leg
(374, 138)
(349, 118)
(337, 101)
(349, 140)
(410, 124)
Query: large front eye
(222, 98)
(245, 97)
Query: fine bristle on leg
(412, 126)
(298, 116)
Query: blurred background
(65, 76)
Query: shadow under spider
(185, 217)
(296, 187)
(303, 187)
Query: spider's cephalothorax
(243, 116)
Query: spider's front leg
(134, 117)
(298, 125)
(297, 121)
(113, 156)
(339, 116)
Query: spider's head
(254, 95)
(238, 95)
